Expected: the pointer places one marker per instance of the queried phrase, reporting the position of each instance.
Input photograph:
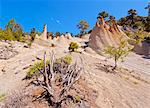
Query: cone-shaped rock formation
(104, 35)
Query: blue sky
(63, 15)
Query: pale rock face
(50, 38)
(62, 38)
(86, 36)
(56, 39)
(68, 36)
(37, 36)
(104, 36)
(89, 50)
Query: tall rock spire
(44, 34)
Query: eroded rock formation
(43, 39)
(104, 35)
(44, 34)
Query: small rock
(3, 70)
(26, 67)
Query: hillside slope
(120, 89)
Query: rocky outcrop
(105, 35)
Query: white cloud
(55, 20)
(58, 22)
(52, 19)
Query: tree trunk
(115, 64)
(73, 50)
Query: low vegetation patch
(138, 37)
(73, 46)
(2, 97)
(36, 67)
(39, 65)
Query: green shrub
(2, 97)
(67, 59)
(119, 52)
(36, 67)
(137, 37)
(40, 65)
(73, 46)
(77, 99)
(12, 32)
(33, 34)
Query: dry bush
(58, 79)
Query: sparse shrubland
(14, 32)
